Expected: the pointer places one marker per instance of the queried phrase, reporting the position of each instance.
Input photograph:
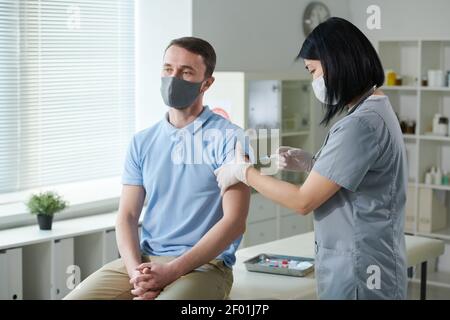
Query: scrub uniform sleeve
(132, 172)
(350, 152)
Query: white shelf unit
(270, 101)
(11, 269)
(37, 264)
(411, 59)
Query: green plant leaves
(47, 203)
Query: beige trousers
(211, 281)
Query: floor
(433, 292)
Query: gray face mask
(179, 93)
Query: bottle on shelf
(440, 125)
(438, 177)
(445, 179)
(424, 81)
(435, 78)
(391, 77)
(429, 178)
(411, 127)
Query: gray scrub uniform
(360, 245)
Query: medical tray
(259, 264)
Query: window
(66, 90)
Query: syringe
(267, 159)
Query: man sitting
(189, 232)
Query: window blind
(66, 90)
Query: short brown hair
(200, 47)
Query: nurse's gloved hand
(233, 172)
(292, 159)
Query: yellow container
(391, 78)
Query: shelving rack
(37, 264)
(412, 58)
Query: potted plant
(45, 205)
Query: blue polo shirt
(176, 168)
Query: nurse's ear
(206, 84)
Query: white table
(260, 286)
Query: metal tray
(254, 264)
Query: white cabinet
(261, 208)
(281, 104)
(432, 210)
(262, 223)
(11, 274)
(410, 213)
(89, 253)
(286, 211)
(49, 264)
(294, 224)
(268, 221)
(63, 260)
(264, 103)
(279, 110)
(45, 269)
(110, 250)
(38, 271)
(260, 232)
(94, 250)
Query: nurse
(357, 181)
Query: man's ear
(208, 84)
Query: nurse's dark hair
(351, 65)
(200, 47)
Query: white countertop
(18, 237)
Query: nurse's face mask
(320, 90)
(178, 93)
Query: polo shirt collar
(192, 127)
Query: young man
(189, 232)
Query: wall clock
(315, 13)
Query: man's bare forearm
(127, 222)
(128, 242)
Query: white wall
(157, 22)
(400, 19)
(250, 35)
(265, 35)
(256, 35)
(259, 35)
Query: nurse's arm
(235, 204)
(304, 199)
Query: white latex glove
(292, 159)
(233, 172)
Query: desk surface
(252, 285)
